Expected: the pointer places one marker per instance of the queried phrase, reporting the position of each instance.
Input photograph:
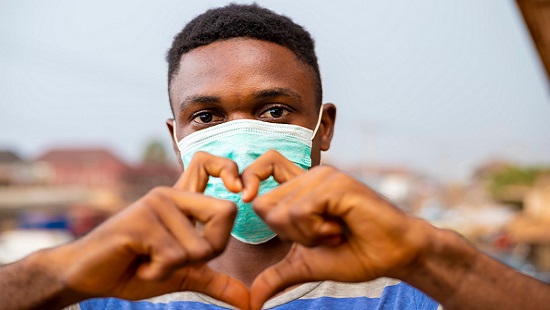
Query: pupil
(276, 112)
(206, 117)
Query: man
(242, 80)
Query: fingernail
(239, 184)
(244, 194)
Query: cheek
(315, 152)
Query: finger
(303, 218)
(174, 242)
(217, 215)
(163, 254)
(303, 265)
(196, 248)
(311, 223)
(202, 166)
(289, 190)
(290, 271)
(297, 210)
(217, 285)
(272, 163)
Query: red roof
(79, 156)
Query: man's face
(243, 79)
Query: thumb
(289, 271)
(217, 285)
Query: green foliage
(155, 153)
(507, 184)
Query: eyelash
(203, 112)
(282, 107)
(215, 114)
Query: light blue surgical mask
(243, 141)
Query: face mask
(243, 141)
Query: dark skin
(152, 247)
(322, 216)
(380, 241)
(310, 209)
(263, 81)
(148, 249)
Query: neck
(246, 261)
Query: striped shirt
(381, 293)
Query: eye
(206, 117)
(274, 112)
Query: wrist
(46, 269)
(444, 262)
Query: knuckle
(273, 153)
(146, 204)
(159, 191)
(201, 251)
(200, 156)
(260, 205)
(325, 169)
(173, 256)
(157, 197)
(227, 209)
(274, 221)
(272, 156)
(340, 178)
(125, 240)
(299, 212)
(228, 164)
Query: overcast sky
(440, 86)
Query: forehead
(239, 66)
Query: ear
(326, 129)
(170, 125)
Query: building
(14, 170)
(138, 180)
(532, 226)
(403, 186)
(90, 167)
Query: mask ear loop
(174, 136)
(318, 123)
(315, 132)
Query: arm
(33, 283)
(148, 249)
(333, 219)
(454, 273)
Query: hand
(343, 230)
(152, 247)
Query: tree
(510, 185)
(154, 153)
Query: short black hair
(249, 21)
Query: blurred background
(443, 107)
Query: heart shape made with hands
(204, 165)
(319, 230)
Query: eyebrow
(199, 99)
(258, 95)
(277, 92)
